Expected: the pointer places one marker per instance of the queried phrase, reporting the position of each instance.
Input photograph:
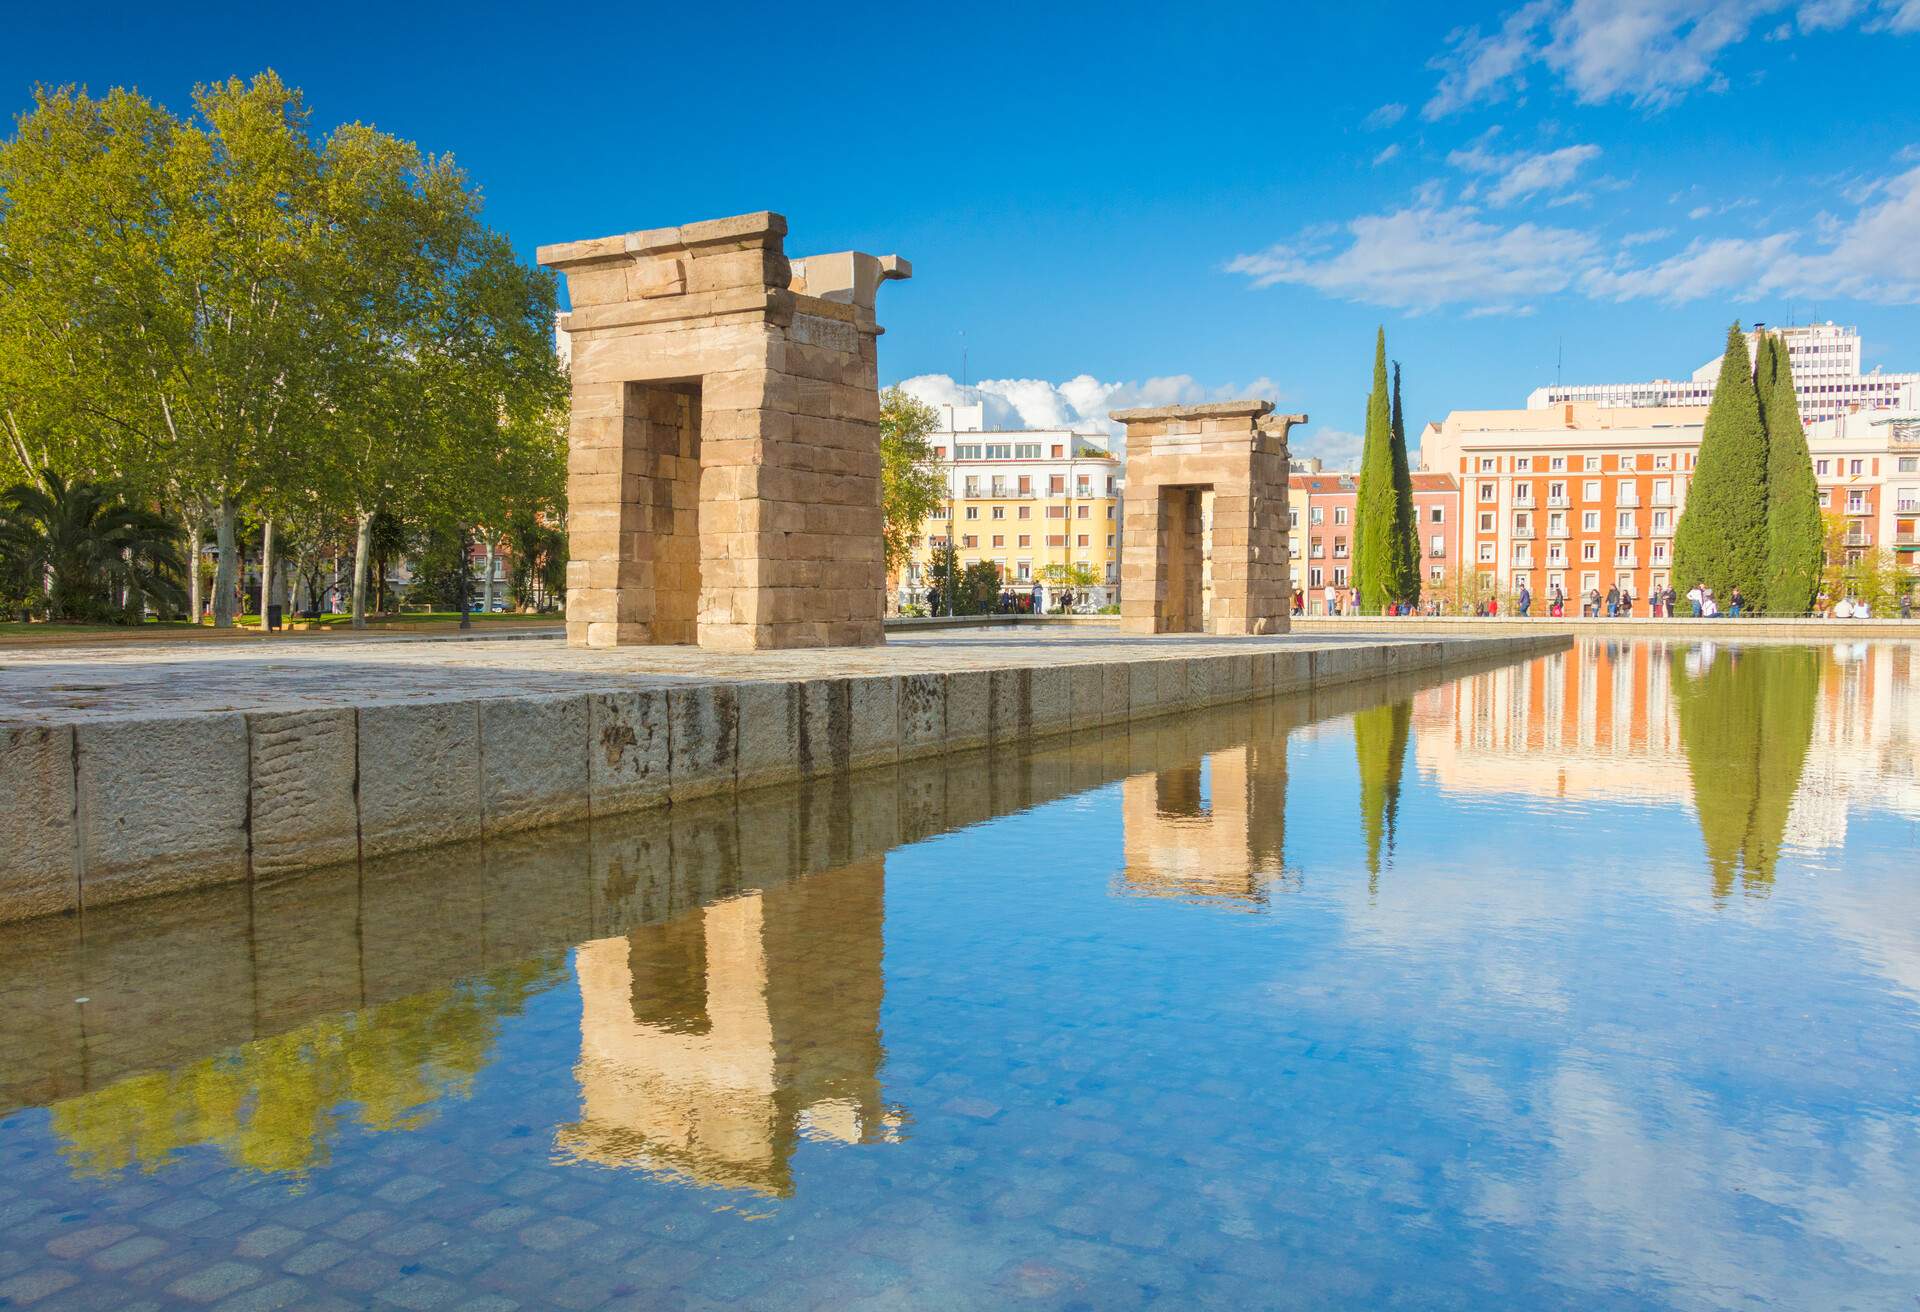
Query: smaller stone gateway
(723, 463)
(1181, 572)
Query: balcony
(1663, 499)
(1557, 503)
(1661, 531)
(1906, 538)
(1630, 561)
(1436, 553)
(1523, 500)
(1627, 531)
(1857, 540)
(1523, 532)
(1628, 498)
(1523, 560)
(1906, 507)
(1559, 531)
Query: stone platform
(126, 773)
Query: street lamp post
(466, 620)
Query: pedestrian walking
(1526, 601)
(1613, 601)
(1736, 599)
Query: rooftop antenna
(1559, 358)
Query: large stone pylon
(1204, 536)
(723, 470)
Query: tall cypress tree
(1794, 532)
(1406, 537)
(1374, 517)
(1721, 540)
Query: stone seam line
(436, 758)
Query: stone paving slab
(194, 768)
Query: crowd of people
(1699, 602)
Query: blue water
(1230, 1013)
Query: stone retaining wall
(1799, 630)
(105, 811)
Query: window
(1556, 491)
(1660, 552)
(969, 541)
(1486, 552)
(1589, 521)
(1590, 490)
(1314, 577)
(1058, 450)
(1293, 519)
(999, 512)
(1438, 547)
(1486, 522)
(1854, 467)
(1488, 491)
(1523, 463)
(973, 512)
(1557, 464)
(1589, 551)
(1625, 522)
(1056, 483)
(1488, 464)
(1339, 548)
(1826, 498)
(1436, 573)
(1908, 465)
(1660, 520)
(967, 451)
(1056, 512)
(1340, 577)
(1663, 462)
(1083, 539)
(999, 540)
(973, 486)
(1339, 514)
(1822, 467)
(1026, 512)
(1109, 512)
(1439, 515)
(1522, 491)
(1110, 483)
(999, 450)
(1024, 570)
(1109, 542)
(1026, 484)
(1056, 539)
(1083, 512)
(1556, 523)
(1026, 451)
(1593, 464)
(1026, 539)
(1623, 551)
(1315, 515)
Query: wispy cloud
(1521, 174)
(1389, 153)
(1649, 52)
(1384, 117)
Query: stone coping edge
(106, 812)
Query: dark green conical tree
(1721, 540)
(1406, 538)
(1374, 516)
(1380, 735)
(1746, 722)
(1794, 532)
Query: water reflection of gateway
(1213, 829)
(710, 1044)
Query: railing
(1523, 560)
(1661, 531)
(1561, 532)
(1908, 539)
(1663, 499)
(1523, 502)
(1627, 562)
(1627, 531)
(1522, 532)
(1627, 500)
(1558, 503)
(1907, 507)
(1436, 553)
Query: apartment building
(1320, 515)
(1025, 499)
(1827, 378)
(1585, 497)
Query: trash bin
(273, 618)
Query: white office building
(1826, 375)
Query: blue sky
(1165, 204)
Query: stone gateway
(723, 469)
(1204, 529)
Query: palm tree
(100, 556)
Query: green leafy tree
(1376, 519)
(1794, 536)
(1406, 538)
(102, 558)
(913, 486)
(1721, 539)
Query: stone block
(826, 727)
(969, 714)
(628, 766)
(303, 808)
(533, 758)
(162, 805)
(873, 716)
(1176, 683)
(39, 874)
(1088, 692)
(770, 733)
(923, 715)
(1119, 695)
(1050, 699)
(419, 775)
(1143, 688)
(1010, 704)
(704, 733)
(1292, 671)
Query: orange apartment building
(1584, 497)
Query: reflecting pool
(1588, 981)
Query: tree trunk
(486, 592)
(362, 548)
(193, 569)
(226, 577)
(266, 573)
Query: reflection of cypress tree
(1380, 743)
(275, 1104)
(1747, 721)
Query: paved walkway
(113, 681)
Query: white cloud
(1650, 52)
(1080, 403)
(1521, 174)
(1338, 449)
(1386, 154)
(1427, 256)
(1384, 117)
(1645, 237)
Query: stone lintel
(848, 277)
(762, 227)
(1251, 409)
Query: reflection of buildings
(1213, 828)
(711, 1043)
(1600, 724)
